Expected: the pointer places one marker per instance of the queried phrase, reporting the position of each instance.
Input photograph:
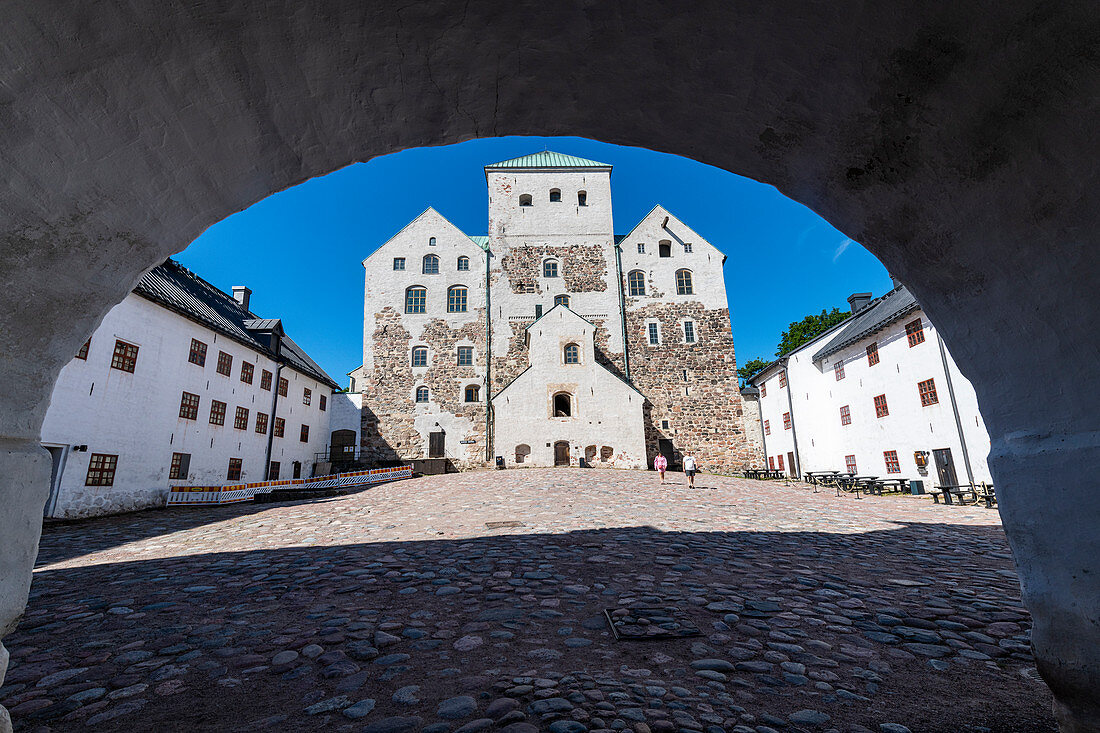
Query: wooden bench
(976, 492)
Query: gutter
(488, 365)
(955, 409)
(274, 406)
(622, 306)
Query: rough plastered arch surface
(955, 140)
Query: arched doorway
(954, 156)
(561, 453)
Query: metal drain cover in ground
(636, 624)
(501, 525)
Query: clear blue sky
(301, 250)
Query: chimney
(241, 294)
(858, 301)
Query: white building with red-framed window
(878, 395)
(177, 387)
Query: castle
(552, 340)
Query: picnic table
(893, 484)
(977, 492)
(846, 482)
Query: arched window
(563, 404)
(431, 265)
(415, 298)
(522, 451)
(525, 199)
(456, 299)
(561, 300)
(431, 241)
(420, 356)
(550, 268)
(606, 452)
(664, 248)
(636, 282)
(555, 194)
(582, 198)
(572, 354)
(472, 393)
(421, 394)
(683, 283)
(590, 454)
(463, 263)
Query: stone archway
(950, 139)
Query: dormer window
(582, 198)
(550, 268)
(525, 199)
(664, 248)
(431, 241)
(555, 194)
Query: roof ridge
(548, 159)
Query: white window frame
(649, 328)
(694, 331)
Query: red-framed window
(279, 427)
(247, 371)
(786, 421)
(892, 463)
(872, 354)
(779, 462)
(101, 470)
(83, 353)
(181, 465)
(283, 385)
(197, 354)
(125, 357)
(767, 427)
(189, 406)
(261, 422)
(850, 464)
(240, 420)
(234, 473)
(845, 415)
(771, 462)
(307, 395)
(763, 390)
(217, 412)
(914, 331)
(322, 402)
(927, 390)
(265, 380)
(225, 363)
(881, 410)
(782, 379)
(304, 437)
(838, 370)
(273, 471)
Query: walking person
(690, 468)
(660, 464)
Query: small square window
(304, 437)
(189, 406)
(687, 247)
(881, 410)
(240, 420)
(641, 248)
(234, 472)
(664, 425)
(399, 263)
(217, 412)
(125, 357)
(247, 372)
(465, 355)
(892, 463)
(872, 354)
(101, 470)
(927, 390)
(225, 363)
(197, 354)
(845, 415)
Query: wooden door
(945, 467)
(436, 445)
(561, 453)
(791, 471)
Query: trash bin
(500, 462)
(916, 488)
(583, 462)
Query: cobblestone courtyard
(406, 608)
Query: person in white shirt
(690, 469)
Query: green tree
(750, 368)
(810, 327)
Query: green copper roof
(480, 240)
(548, 159)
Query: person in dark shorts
(690, 468)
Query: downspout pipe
(274, 405)
(955, 409)
(622, 308)
(488, 365)
(794, 430)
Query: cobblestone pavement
(406, 608)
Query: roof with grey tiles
(891, 307)
(176, 288)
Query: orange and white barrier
(236, 493)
